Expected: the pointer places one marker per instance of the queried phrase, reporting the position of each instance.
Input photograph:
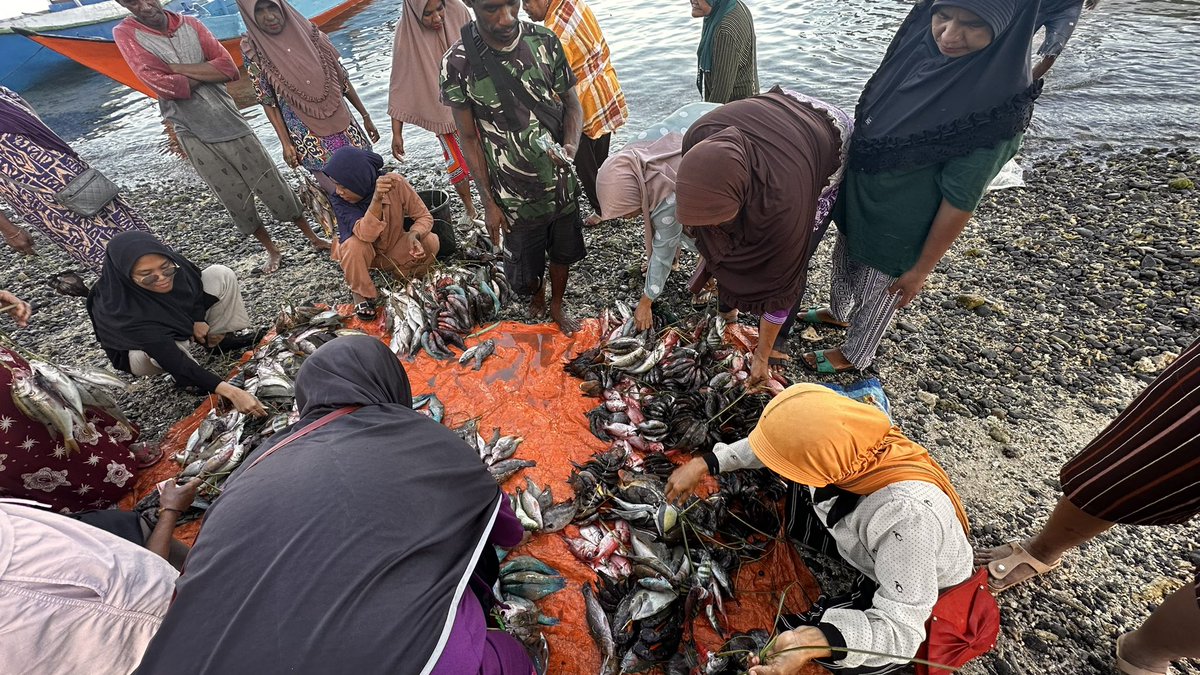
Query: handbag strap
(507, 85)
(304, 432)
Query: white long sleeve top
(906, 538)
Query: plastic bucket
(438, 203)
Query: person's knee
(217, 278)
(432, 244)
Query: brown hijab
(303, 67)
(413, 95)
(747, 188)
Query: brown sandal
(998, 570)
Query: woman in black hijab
(946, 109)
(347, 545)
(150, 301)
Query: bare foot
(320, 244)
(537, 306)
(593, 220)
(566, 323)
(274, 260)
(782, 356)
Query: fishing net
(523, 390)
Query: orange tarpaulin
(523, 390)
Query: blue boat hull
(24, 63)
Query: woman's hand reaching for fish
(175, 497)
(15, 307)
(781, 661)
(242, 400)
(643, 316)
(683, 481)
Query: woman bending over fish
(382, 224)
(755, 187)
(314, 558)
(864, 492)
(150, 301)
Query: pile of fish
(496, 453)
(57, 396)
(436, 313)
(523, 581)
(660, 567)
(225, 437)
(679, 389)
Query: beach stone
(971, 301)
(1181, 183)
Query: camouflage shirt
(526, 183)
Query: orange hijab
(814, 436)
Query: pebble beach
(1059, 302)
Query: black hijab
(356, 170)
(922, 108)
(345, 551)
(127, 316)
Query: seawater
(1127, 79)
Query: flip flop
(998, 570)
(823, 365)
(365, 311)
(1128, 668)
(812, 315)
(146, 454)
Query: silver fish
(601, 632)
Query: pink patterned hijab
(640, 176)
(303, 67)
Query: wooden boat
(23, 63)
(220, 16)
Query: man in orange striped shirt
(599, 92)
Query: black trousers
(589, 157)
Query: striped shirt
(604, 109)
(734, 73)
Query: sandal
(146, 454)
(823, 365)
(1128, 668)
(365, 310)
(812, 315)
(998, 570)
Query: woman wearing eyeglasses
(150, 301)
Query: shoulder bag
(87, 194)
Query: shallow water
(1127, 78)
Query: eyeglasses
(165, 272)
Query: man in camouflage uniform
(526, 183)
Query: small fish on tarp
(478, 354)
(508, 468)
(430, 406)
